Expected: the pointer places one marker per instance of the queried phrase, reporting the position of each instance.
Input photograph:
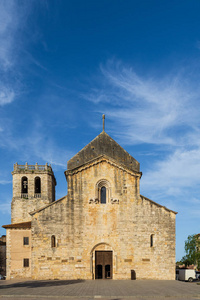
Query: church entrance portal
(103, 265)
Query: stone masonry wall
(22, 205)
(81, 226)
(3, 258)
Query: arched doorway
(103, 261)
(103, 264)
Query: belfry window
(37, 185)
(103, 195)
(24, 185)
(53, 241)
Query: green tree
(192, 250)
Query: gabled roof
(103, 144)
(18, 225)
(99, 159)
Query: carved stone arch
(101, 246)
(103, 259)
(100, 185)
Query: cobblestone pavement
(98, 289)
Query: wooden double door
(103, 265)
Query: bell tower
(33, 188)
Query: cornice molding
(97, 161)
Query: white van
(187, 275)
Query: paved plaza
(98, 289)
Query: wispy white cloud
(3, 182)
(32, 60)
(161, 111)
(8, 28)
(148, 109)
(5, 207)
(13, 17)
(6, 95)
(35, 146)
(46, 150)
(177, 172)
(9, 25)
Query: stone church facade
(102, 229)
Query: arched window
(24, 185)
(37, 185)
(53, 241)
(103, 191)
(151, 240)
(103, 195)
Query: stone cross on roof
(103, 117)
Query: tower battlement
(30, 168)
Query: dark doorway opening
(99, 272)
(103, 265)
(107, 271)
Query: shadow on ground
(36, 284)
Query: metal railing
(23, 195)
(37, 195)
(37, 167)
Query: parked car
(2, 277)
(187, 275)
(177, 274)
(198, 275)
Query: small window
(53, 241)
(26, 240)
(37, 185)
(103, 194)
(24, 187)
(103, 191)
(151, 240)
(26, 262)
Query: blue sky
(64, 63)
